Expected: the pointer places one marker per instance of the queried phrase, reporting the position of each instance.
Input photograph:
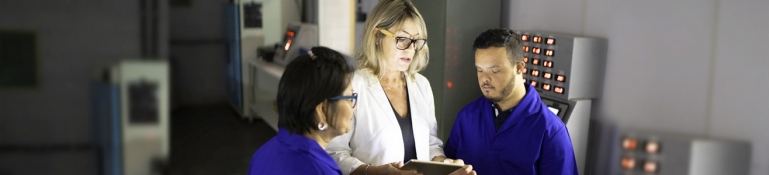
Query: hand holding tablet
(437, 168)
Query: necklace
(390, 88)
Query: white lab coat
(375, 136)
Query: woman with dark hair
(315, 104)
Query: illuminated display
(536, 50)
(288, 45)
(547, 64)
(524, 37)
(537, 39)
(525, 70)
(652, 147)
(629, 144)
(525, 48)
(546, 86)
(535, 73)
(289, 36)
(560, 78)
(650, 167)
(628, 163)
(547, 75)
(526, 59)
(550, 41)
(558, 90)
(554, 110)
(534, 83)
(549, 52)
(535, 61)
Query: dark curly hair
(501, 37)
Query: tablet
(430, 167)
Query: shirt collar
(306, 145)
(529, 105)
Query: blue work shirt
(532, 140)
(290, 153)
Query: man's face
(496, 74)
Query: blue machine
(106, 116)
(131, 118)
(233, 62)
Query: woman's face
(397, 59)
(344, 112)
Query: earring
(322, 126)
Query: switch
(550, 41)
(549, 52)
(536, 50)
(535, 73)
(558, 90)
(547, 64)
(537, 39)
(560, 78)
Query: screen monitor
(554, 110)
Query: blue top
(532, 140)
(289, 153)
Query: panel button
(558, 90)
(535, 73)
(550, 41)
(560, 78)
(547, 64)
(547, 75)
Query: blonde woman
(396, 118)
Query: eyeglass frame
(413, 41)
(354, 98)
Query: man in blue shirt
(509, 130)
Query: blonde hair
(385, 15)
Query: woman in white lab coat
(395, 120)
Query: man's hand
(467, 169)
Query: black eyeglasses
(353, 98)
(403, 43)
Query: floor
(214, 140)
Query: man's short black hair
(309, 81)
(501, 37)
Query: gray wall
(74, 39)
(452, 27)
(689, 66)
(198, 52)
(435, 19)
